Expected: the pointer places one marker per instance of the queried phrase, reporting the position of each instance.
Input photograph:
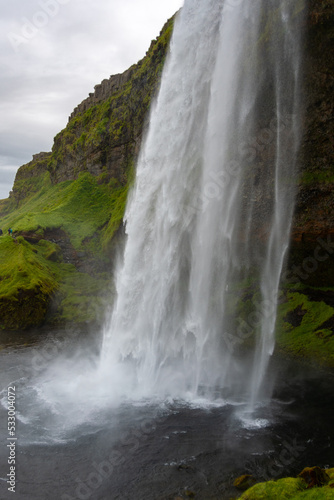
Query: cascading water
(209, 217)
(208, 227)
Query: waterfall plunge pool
(75, 446)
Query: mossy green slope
(67, 219)
(88, 215)
(78, 207)
(27, 281)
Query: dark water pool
(157, 449)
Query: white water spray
(211, 210)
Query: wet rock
(31, 237)
(186, 467)
(314, 476)
(295, 317)
(244, 482)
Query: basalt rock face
(103, 91)
(104, 132)
(28, 177)
(314, 215)
(314, 210)
(313, 225)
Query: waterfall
(209, 217)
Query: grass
(27, 281)
(32, 281)
(21, 265)
(80, 208)
(32, 276)
(282, 489)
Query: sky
(52, 54)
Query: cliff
(315, 200)
(314, 215)
(104, 132)
(66, 208)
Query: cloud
(53, 53)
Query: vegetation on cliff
(63, 231)
(66, 208)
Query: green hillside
(67, 221)
(66, 207)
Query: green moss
(32, 280)
(324, 493)
(27, 282)
(287, 489)
(292, 489)
(33, 276)
(283, 489)
(118, 209)
(330, 472)
(312, 339)
(36, 281)
(323, 176)
(81, 297)
(80, 208)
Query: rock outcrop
(314, 214)
(28, 178)
(103, 91)
(104, 132)
(315, 201)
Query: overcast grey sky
(52, 53)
